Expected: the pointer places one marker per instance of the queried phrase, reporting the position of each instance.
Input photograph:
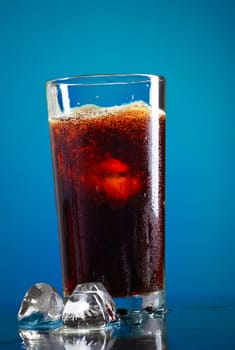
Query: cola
(110, 183)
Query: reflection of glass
(150, 335)
(108, 147)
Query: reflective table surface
(189, 324)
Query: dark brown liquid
(109, 180)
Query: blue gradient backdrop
(192, 44)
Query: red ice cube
(111, 178)
(112, 167)
(120, 188)
(118, 184)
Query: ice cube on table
(89, 307)
(100, 289)
(41, 308)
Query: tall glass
(108, 148)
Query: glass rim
(102, 79)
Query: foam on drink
(94, 111)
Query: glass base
(152, 303)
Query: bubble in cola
(41, 308)
(89, 307)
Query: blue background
(192, 44)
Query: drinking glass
(107, 137)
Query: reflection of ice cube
(41, 308)
(60, 340)
(98, 340)
(35, 340)
(89, 307)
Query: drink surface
(109, 180)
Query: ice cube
(111, 179)
(118, 184)
(100, 289)
(111, 166)
(89, 307)
(41, 308)
(121, 188)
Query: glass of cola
(107, 137)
